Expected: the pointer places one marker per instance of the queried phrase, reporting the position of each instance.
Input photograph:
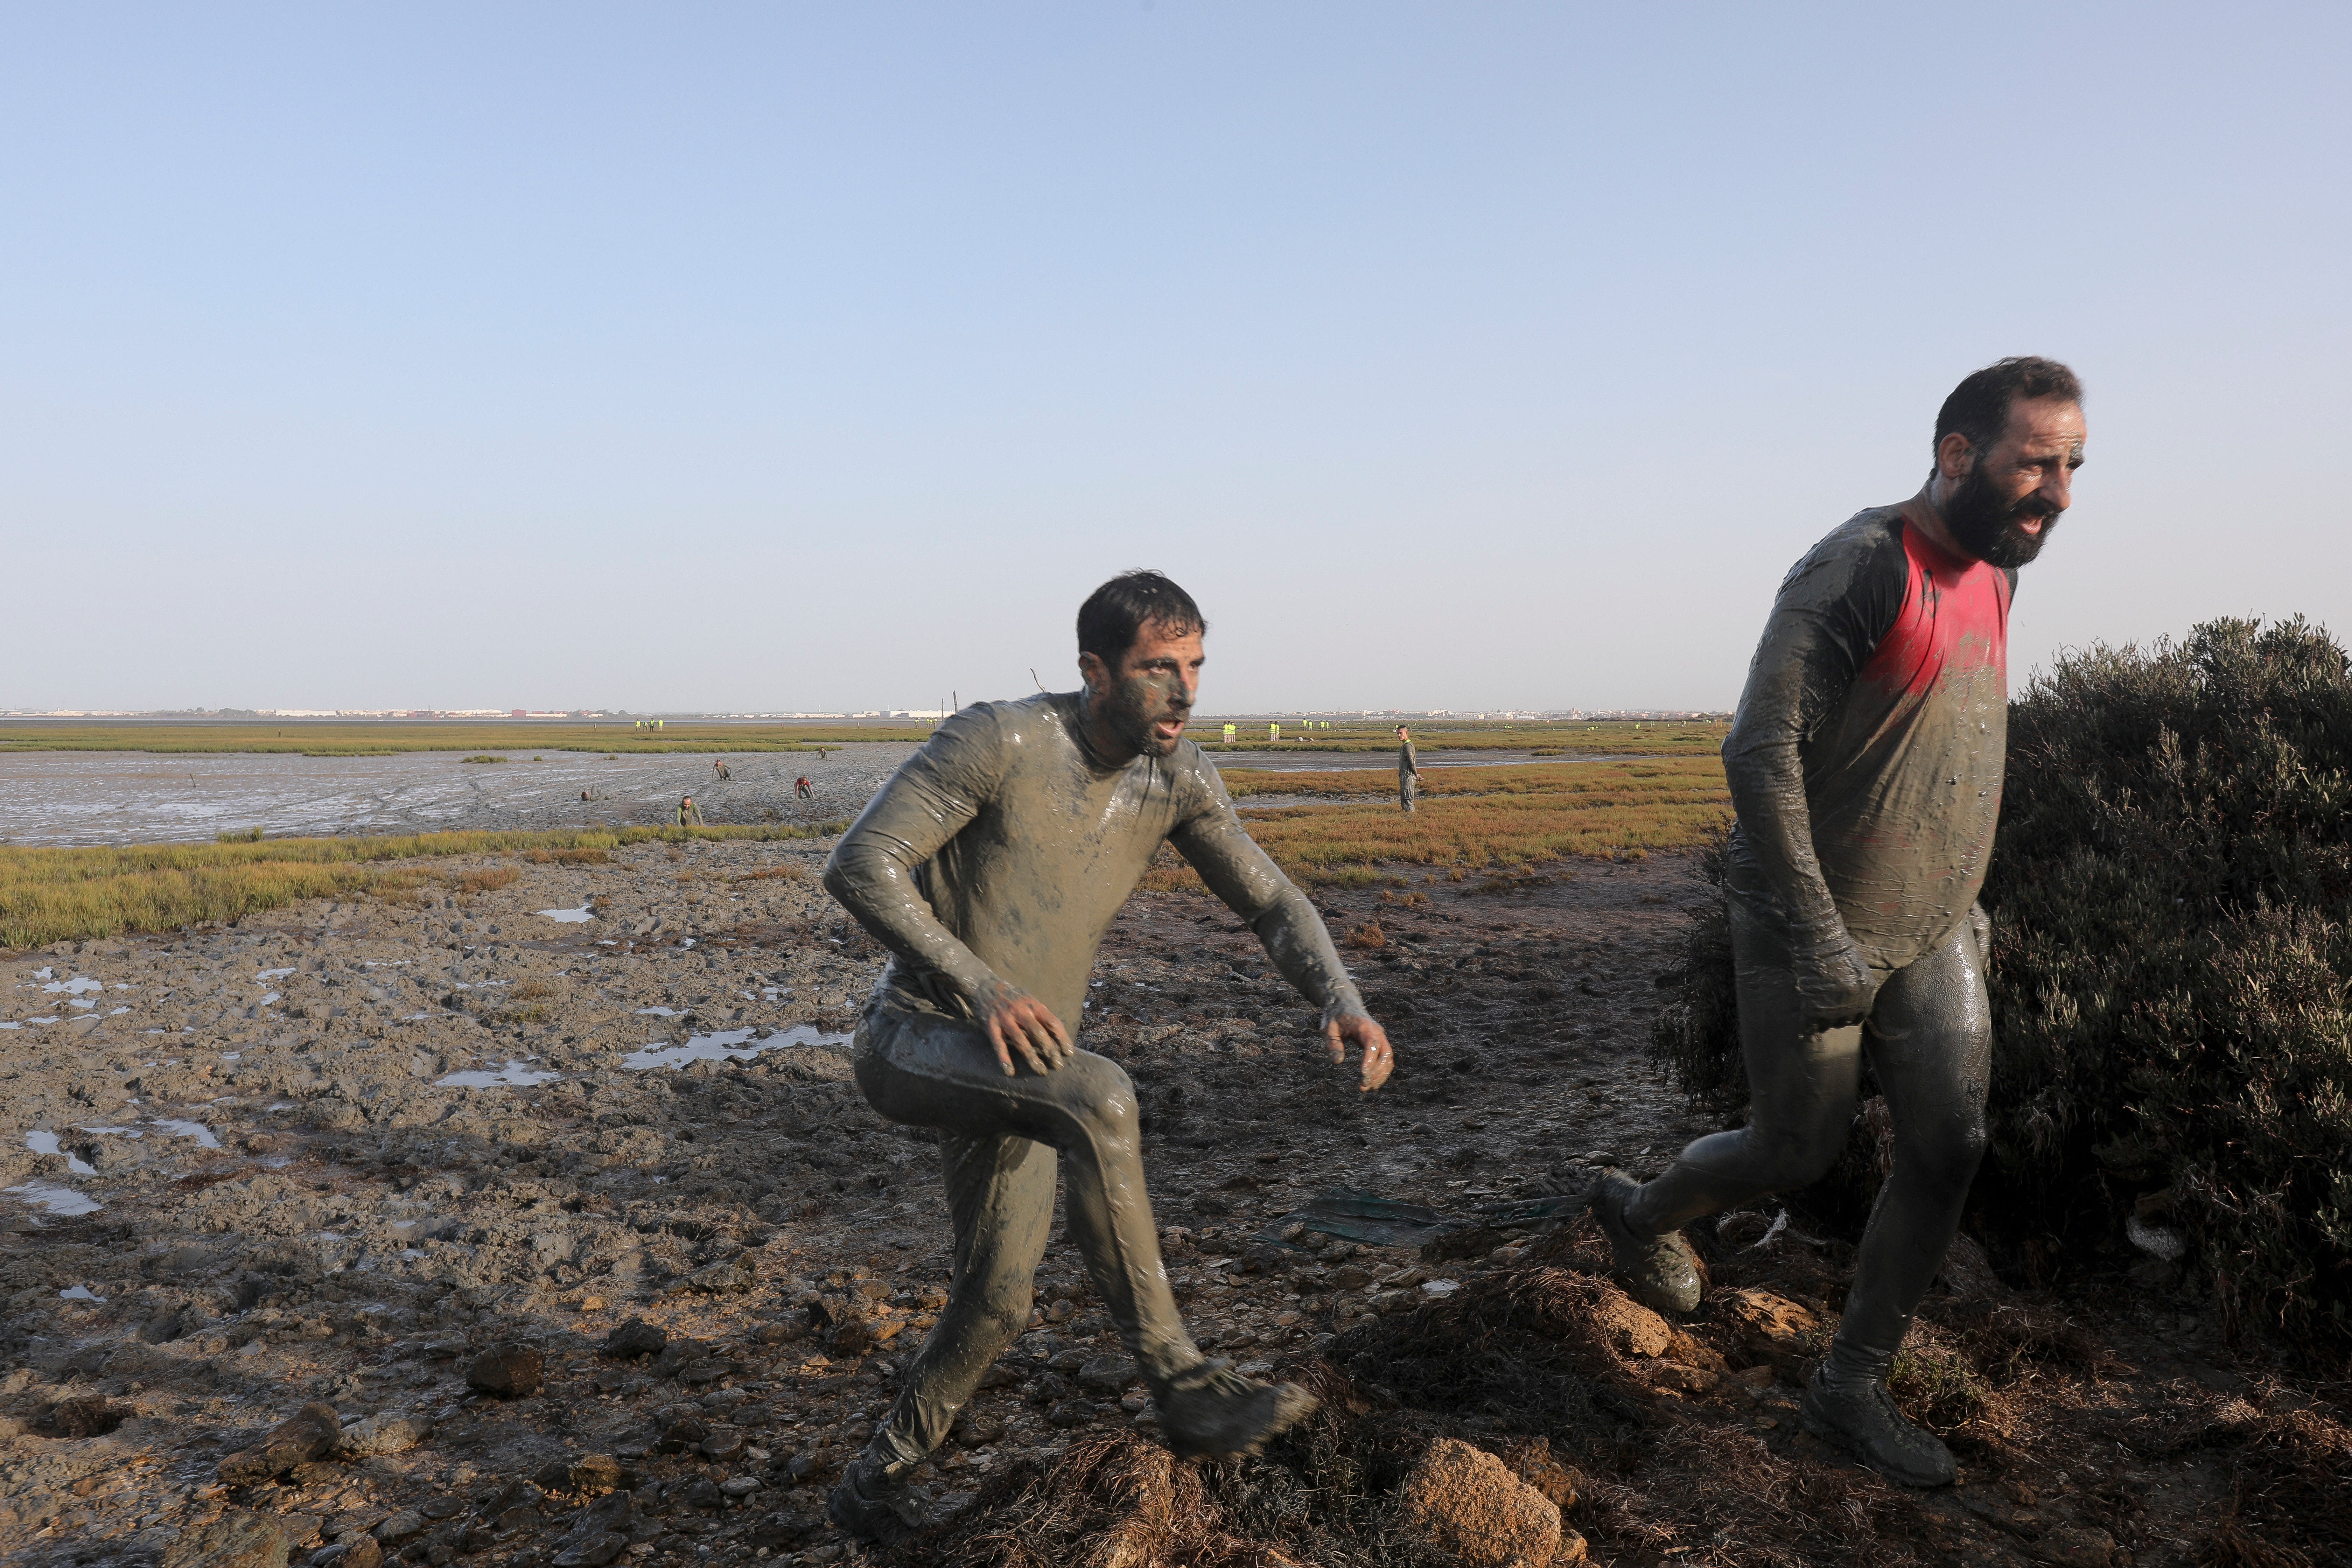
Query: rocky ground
(546, 1180)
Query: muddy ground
(339, 1153)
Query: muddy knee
(1099, 1096)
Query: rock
(364, 1551)
(1772, 1327)
(731, 1278)
(637, 1337)
(598, 1535)
(784, 1330)
(88, 1415)
(399, 1527)
(311, 1433)
(739, 1487)
(1107, 1376)
(1683, 1379)
(974, 1430)
(593, 1475)
(703, 1369)
(685, 1432)
(510, 1370)
(1628, 1327)
(1071, 1413)
(2073, 1546)
(1465, 1502)
(724, 1443)
(1535, 1463)
(704, 1493)
(235, 1540)
(382, 1434)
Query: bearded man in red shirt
(1865, 771)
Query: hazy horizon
(746, 358)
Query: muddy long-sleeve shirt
(1406, 762)
(1002, 849)
(1865, 760)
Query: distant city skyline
(742, 356)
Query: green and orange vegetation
(1472, 819)
(1543, 737)
(389, 737)
(58, 895)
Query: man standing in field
(1865, 771)
(991, 865)
(1408, 770)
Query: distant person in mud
(719, 768)
(1408, 770)
(991, 865)
(688, 814)
(1865, 771)
(802, 789)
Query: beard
(1131, 710)
(1993, 530)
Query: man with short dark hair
(1408, 771)
(1865, 771)
(991, 865)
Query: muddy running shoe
(1663, 1270)
(1862, 1419)
(871, 1506)
(1212, 1411)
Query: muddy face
(2005, 509)
(1140, 707)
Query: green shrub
(484, 757)
(2171, 894)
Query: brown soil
(365, 1234)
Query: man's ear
(1094, 671)
(1954, 456)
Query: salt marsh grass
(58, 895)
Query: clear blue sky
(772, 355)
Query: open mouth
(1168, 729)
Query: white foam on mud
(728, 1044)
(514, 1075)
(658, 1013)
(57, 1200)
(47, 1143)
(196, 1130)
(269, 998)
(77, 1293)
(273, 973)
(571, 917)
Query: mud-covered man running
(991, 865)
(1865, 771)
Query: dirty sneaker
(1862, 1419)
(871, 1506)
(1210, 1411)
(1664, 1273)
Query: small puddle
(76, 986)
(659, 1013)
(571, 917)
(57, 1200)
(79, 1293)
(728, 1045)
(514, 1075)
(196, 1130)
(272, 974)
(47, 1143)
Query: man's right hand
(1017, 1021)
(1834, 988)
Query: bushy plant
(2171, 894)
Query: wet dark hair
(1979, 407)
(1114, 614)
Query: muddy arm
(1254, 887)
(927, 802)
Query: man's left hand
(1355, 1029)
